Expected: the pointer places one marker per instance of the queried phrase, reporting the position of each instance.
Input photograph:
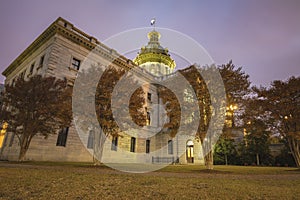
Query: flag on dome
(152, 21)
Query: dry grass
(83, 181)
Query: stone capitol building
(60, 52)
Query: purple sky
(261, 36)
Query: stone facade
(58, 51)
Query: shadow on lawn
(293, 170)
(212, 171)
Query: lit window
(132, 144)
(170, 147)
(148, 119)
(147, 146)
(62, 137)
(114, 143)
(152, 71)
(75, 63)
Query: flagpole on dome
(153, 23)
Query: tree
(285, 158)
(280, 105)
(92, 104)
(224, 150)
(236, 84)
(204, 102)
(257, 142)
(172, 108)
(38, 106)
(237, 87)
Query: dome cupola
(154, 58)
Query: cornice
(67, 30)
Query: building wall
(58, 52)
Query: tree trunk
(24, 145)
(226, 162)
(294, 145)
(22, 154)
(23, 149)
(209, 161)
(257, 159)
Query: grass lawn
(44, 180)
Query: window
(170, 147)
(42, 61)
(152, 71)
(62, 137)
(132, 144)
(147, 146)
(13, 81)
(31, 68)
(114, 143)
(22, 75)
(148, 119)
(90, 143)
(75, 64)
(149, 96)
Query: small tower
(154, 58)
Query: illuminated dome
(154, 57)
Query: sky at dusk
(261, 36)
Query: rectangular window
(147, 146)
(132, 144)
(31, 68)
(114, 143)
(42, 61)
(170, 147)
(62, 137)
(22, 75)
(75, 64)
(149, 96)
(148, 119)
(90, 143)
